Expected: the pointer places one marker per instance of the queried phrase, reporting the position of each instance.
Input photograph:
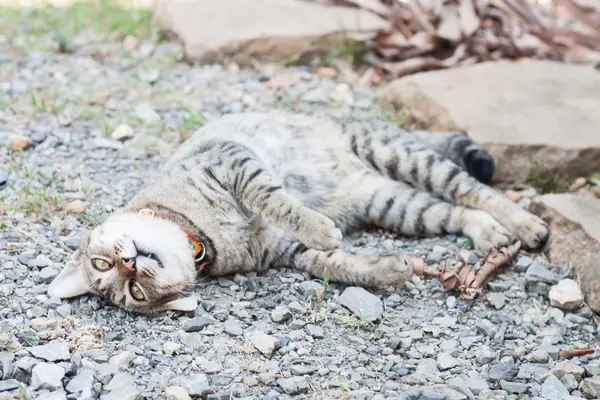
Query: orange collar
(198, 249)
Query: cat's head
(138, 263)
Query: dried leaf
(423, 40)
(474, 31)
(406, 67)
(572, 353)
(449, 27)
(469, 22)
(420, 17)
(469, 282)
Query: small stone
(591, 387)
(122, 360)
(120, 380)
(293, 386)
(446, 361)
(122, 133)
(105, 372)
(56, 395)
(177, 393)
(281, 314)
(196, 324)
(538, 273)
(297, 307)
(301, 370)
(567, 367)
(57, 351)
(496, 299)
(553, 389)
(9, 384)
(451, 302)
(566, 295)
(503, 372)
(533, 371)
(266, 344)
(484, 356)
(197, 385)
(310, 287)
(514, 387)
(362, 303)
(523, 262)
(487, 327)
(315, 331)
(146, 113)
(47, 376)
(130, 392)
(476, 385)
(64, 310)
(82, 381)
(569, 381)
(48, 274)
(171, 348)
(20, 142)
(232, 327)
(538, 356)
(75, 207)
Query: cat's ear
(183, 304)
(71, 281)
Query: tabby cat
(251, 191)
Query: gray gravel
(101, 126)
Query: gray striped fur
(280, 189)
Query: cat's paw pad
(320, 233)
(532, 230)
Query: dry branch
(433, 34)
(469, 281)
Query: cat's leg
(454, 146)
(340, 266)
(403, 209)
(427, 170)
(246, 177)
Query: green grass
(107, 19)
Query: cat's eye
(101, 265)
(136, 292)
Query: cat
(251, 191)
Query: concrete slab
(532, 116)
(213, 31)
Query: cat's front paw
(320, 232)
(532, 230)
(485, 232)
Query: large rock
(533, 116)
(575, 238)
(215, 31)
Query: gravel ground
(103, 119)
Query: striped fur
(280, 189)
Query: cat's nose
(129, 263)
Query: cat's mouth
(149, 255)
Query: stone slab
(574, 238)
(215, 31)
(533, 116)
